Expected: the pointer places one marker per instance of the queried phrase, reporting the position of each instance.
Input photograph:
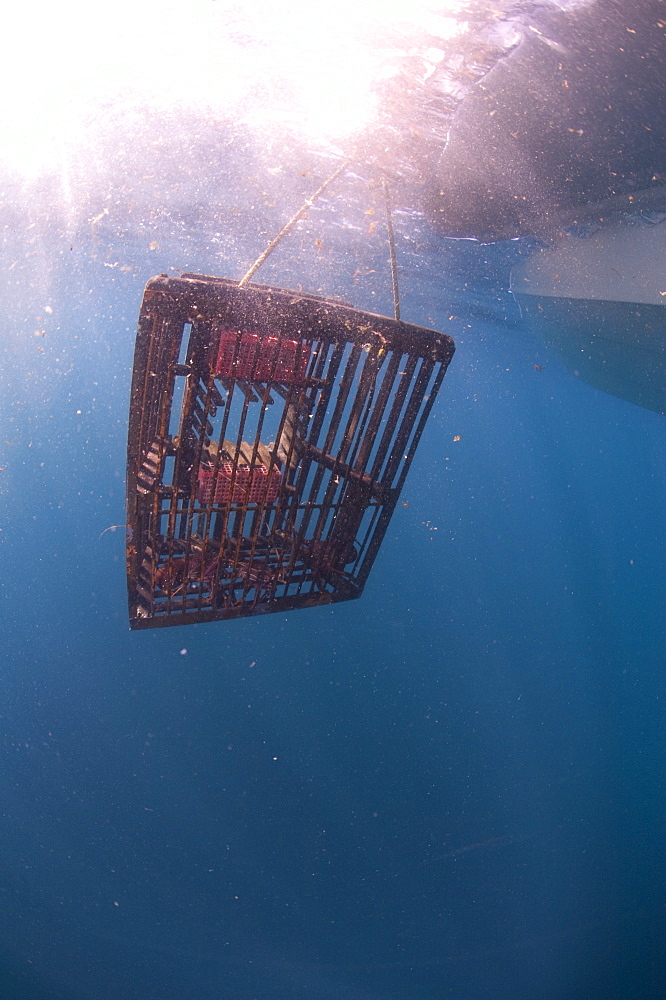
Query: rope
(391, 239)
(292, 222)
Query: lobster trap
(270, 436)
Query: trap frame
(270, 436)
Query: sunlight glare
(309, 67)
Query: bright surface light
(310, 65)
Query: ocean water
(451, 788)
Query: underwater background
(451, 788)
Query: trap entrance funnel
(270, 435)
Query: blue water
(452, 788)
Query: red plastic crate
(264, 486)
(260, 359)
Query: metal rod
(292, 222)
(391, 239)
